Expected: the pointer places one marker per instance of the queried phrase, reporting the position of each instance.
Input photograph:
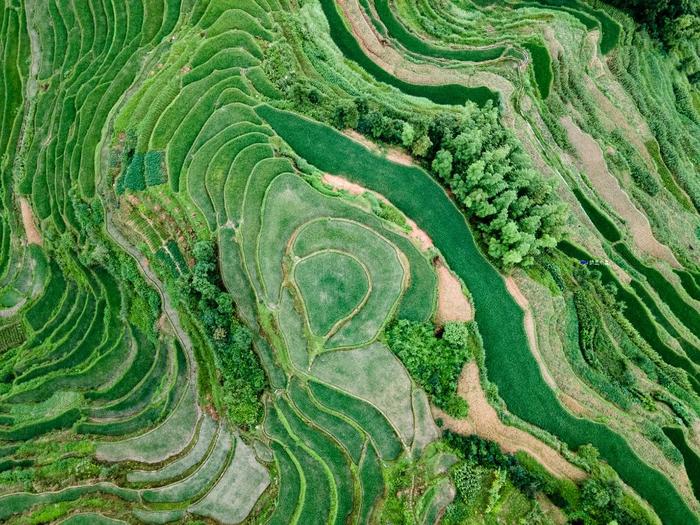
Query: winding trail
(168, 309)
(530, 330)
(483, 421)
(33, 235)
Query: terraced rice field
(197, 325)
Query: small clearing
(592, 162)
(30, 229)
(397, 155)
(483, 421)
(340, 183)
(452, 304)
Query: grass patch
(599, 219)
(332, 284)
(542, 66)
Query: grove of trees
(242, 375)
(433, 362)
(516, 210)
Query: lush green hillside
(358, 261)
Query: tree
(408, 133)
(442, 164)
(434, 363)
(346, 115)
(134, 179)
(421, 146)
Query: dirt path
(394, 154)
(530, 329)
(340, 183)
(30, 230)
(389, 59)
(483, 421)
(592, 162)
(452, 303)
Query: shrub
(134, 176)
(435, 363)
(11, 336)
(243, 377)
(467, 480)
(154, 174)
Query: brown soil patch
(425, 242)
(592, 162)
(483, 421)
(359, 137)
(11, 311)
(397, 155)
(452, 305)
(30, 230)
(340, 183)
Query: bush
(134, 176)
(434, 363)
(467, 480)
(11, 336)
(154, 174)
(480, 451)
(242, 375)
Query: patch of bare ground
(556, 50)
(394, 154)
(592, 163)
(452, 304)
(340, 183)
(483, 421)
(550, 316)
(6, 313)
(33, 236)
(694, 434)
(388, 58)
(360, 138)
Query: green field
(332, 285)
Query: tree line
(516, 211)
